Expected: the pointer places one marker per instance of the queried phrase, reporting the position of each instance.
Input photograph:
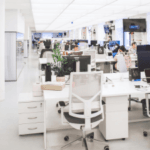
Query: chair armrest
(63, 104)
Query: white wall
(14, 21)
(27, 30)
(2, 50)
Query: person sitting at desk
(127, 61)
(76, 48)
(116, 48)
(133, 48)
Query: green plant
(61, 66)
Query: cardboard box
(54, 86)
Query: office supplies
(55, 86)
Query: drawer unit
(31, 128)
(31, 118)
(31, 107)
(31, 114)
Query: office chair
(47, 44)
(92, 53)
(122, 67)
(85, 106)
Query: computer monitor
(93, 42)
(100, 50)
(72, 47)
(66, 47)
(84, 62)
(113, 43)
(143, 60)
(147, 74)
(142, 48)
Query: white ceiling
(57, 15)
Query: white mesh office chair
(49, 57)
(85, 106)
(92, 53)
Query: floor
(9, 138)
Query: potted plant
(61, 65)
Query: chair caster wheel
(123, 139)
(129, 109)
(59, 111)
(66, 138)
(145, 133)
(56, 105)
(106, 148)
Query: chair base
(85, 143)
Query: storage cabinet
(31, 114)
(115, 124)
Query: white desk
(115, 125)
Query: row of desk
(115, 95)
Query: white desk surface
(121, 87)
(42, 60)
(104, 60)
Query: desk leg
(45, 145)
(111, 68)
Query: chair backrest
(49, 57)
(121, 63)
(92, 53)
(86, 89)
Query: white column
(2, 50)
(30, 41)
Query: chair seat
(75, 120)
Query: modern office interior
(74, 74)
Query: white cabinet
(115, 124)
(31, 114)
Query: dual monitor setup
(84, 62)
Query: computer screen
(113, 43)
(94, 42)
(134, 25)
(143, 60)
(100, 50)
(84, 62)
(142, 48)
(106, 28)
(72, 47)
(66, 47)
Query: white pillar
(2, 50)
